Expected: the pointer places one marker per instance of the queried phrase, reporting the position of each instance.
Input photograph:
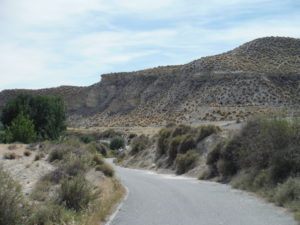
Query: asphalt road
(156, 199)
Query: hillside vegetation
(63, 182)
(175, 148)
(263, 157)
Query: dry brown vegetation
(73, 191)
(263, 157)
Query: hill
(260, 76)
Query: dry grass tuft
(27, 153)
(112, 192)
(11, 156)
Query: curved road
(156, 199)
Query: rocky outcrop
(257, 77)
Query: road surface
(156, 199)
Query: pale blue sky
(46, 43)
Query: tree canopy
(48, 114)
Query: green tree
(21, 104)
(48, 114)
(21, 129)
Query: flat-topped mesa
(156, 71)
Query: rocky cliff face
(257, 77)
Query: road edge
(118, 207)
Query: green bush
(214, 155)
(21, 130)
(185, 162)
(86, 138)
(263, 144)
(188, 143)
(226, 168)
(47, 113)
(180, 139)
(205, 131)
(117, 143)
(139, 144)
(2, 136)
(75, 193)
(106, 169)
(11, 199)
(173, 148)
(181, 129)
(288, 192)
(163, 141)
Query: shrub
(181, 129)
(132, 135)
(98, 159)
(110, 133)
(214, 155)
(117, 142)
(139, 144)
(106, 169)
(226, 168)
(271, 143)
(185, 162)
(2, 136)
(39, 156)
(75, 194)
(69, 169)
(21, 129)
(10, 156)
(56, 154)
(173, 148)
(98, 148)
(12, 147)
(11, 200)
(205, 131)
(163, 141)
(288, 192)
(187, 143)
(27, 153)
(75, 167)
(86, 138)
(41, 190)
(50, 214)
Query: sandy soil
(24, 169)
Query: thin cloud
(59, 42)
